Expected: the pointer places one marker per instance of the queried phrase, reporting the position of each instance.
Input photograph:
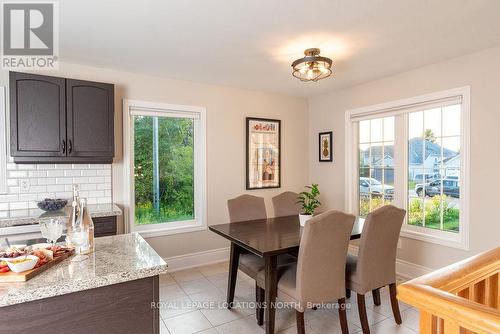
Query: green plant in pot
(309, 201)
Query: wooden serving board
(11, 276)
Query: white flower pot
(303, 219)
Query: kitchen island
(111, 292)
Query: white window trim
(456, 240)
(3, 143)
(154, 108)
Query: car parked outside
(451, 187)
(369, 185)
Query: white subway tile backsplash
(17, 174)
(53, 181)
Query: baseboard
(197, 259)
(404, 268)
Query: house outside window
(165, 154)
(413, 153)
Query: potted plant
(309, 201)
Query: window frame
(133, 108)
(458, 240)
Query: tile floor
(189, 304)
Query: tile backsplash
(29, 183)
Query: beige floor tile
(213, 269)
(329, 324)
(219, 316)
(208, 331)
(163, 328)
(293, 330)
(246, 325)
(187, 275)
(166, 279)
(175, 307)
(373, 317)
(171, 292)
(208, 296)
(388, 326)
(411, 319)
(188, 323)
(197, 286)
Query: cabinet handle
(70, 146)
(64, 146)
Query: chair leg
(376, 296)
(347, 293)
(394, 303)
(259, 299)
(343, 316)
(300, 322)
(363, 318)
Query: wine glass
(52, 231)
(78, 238)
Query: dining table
(267, 238)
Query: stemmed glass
(52, 231)
(78, 237)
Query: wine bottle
(88, 225)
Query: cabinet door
(37, 116)
(90, 113)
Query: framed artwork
(263, 161)
(325, 146)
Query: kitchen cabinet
(59, 120)
(104, 226)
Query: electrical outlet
(400, 244)
(24, 184)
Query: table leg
(271, 291)
(234, 261)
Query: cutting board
(11, 276)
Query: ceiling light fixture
(312, 67)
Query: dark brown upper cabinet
(58, 120)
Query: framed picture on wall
(263, 160)
(325, 146)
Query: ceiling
(251, 43)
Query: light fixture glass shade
(312, 67)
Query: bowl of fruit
(50, 204)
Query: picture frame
(263, 153)
(325, 144)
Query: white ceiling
(251, 43)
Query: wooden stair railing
(462, 298)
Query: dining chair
(285, 204)
(318, 277)
(244, 208)
(375, 265)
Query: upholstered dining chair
(244, 208)
(319, 275)
(375, 265)
(285, 204)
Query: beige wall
(226, 112)
(482, 72)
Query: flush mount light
(312, 67)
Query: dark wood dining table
(266, 238)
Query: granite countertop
(96, 210)
(116, 259)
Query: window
(166, 171)
(413, 153)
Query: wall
(52, 181)
(482, 72)
(226, 112)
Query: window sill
(169, 231)
(448, 239)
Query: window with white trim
(413, 153)
(166, 167)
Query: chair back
(246, 207)
(376, 265)
(285, 204)
(322, 257)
